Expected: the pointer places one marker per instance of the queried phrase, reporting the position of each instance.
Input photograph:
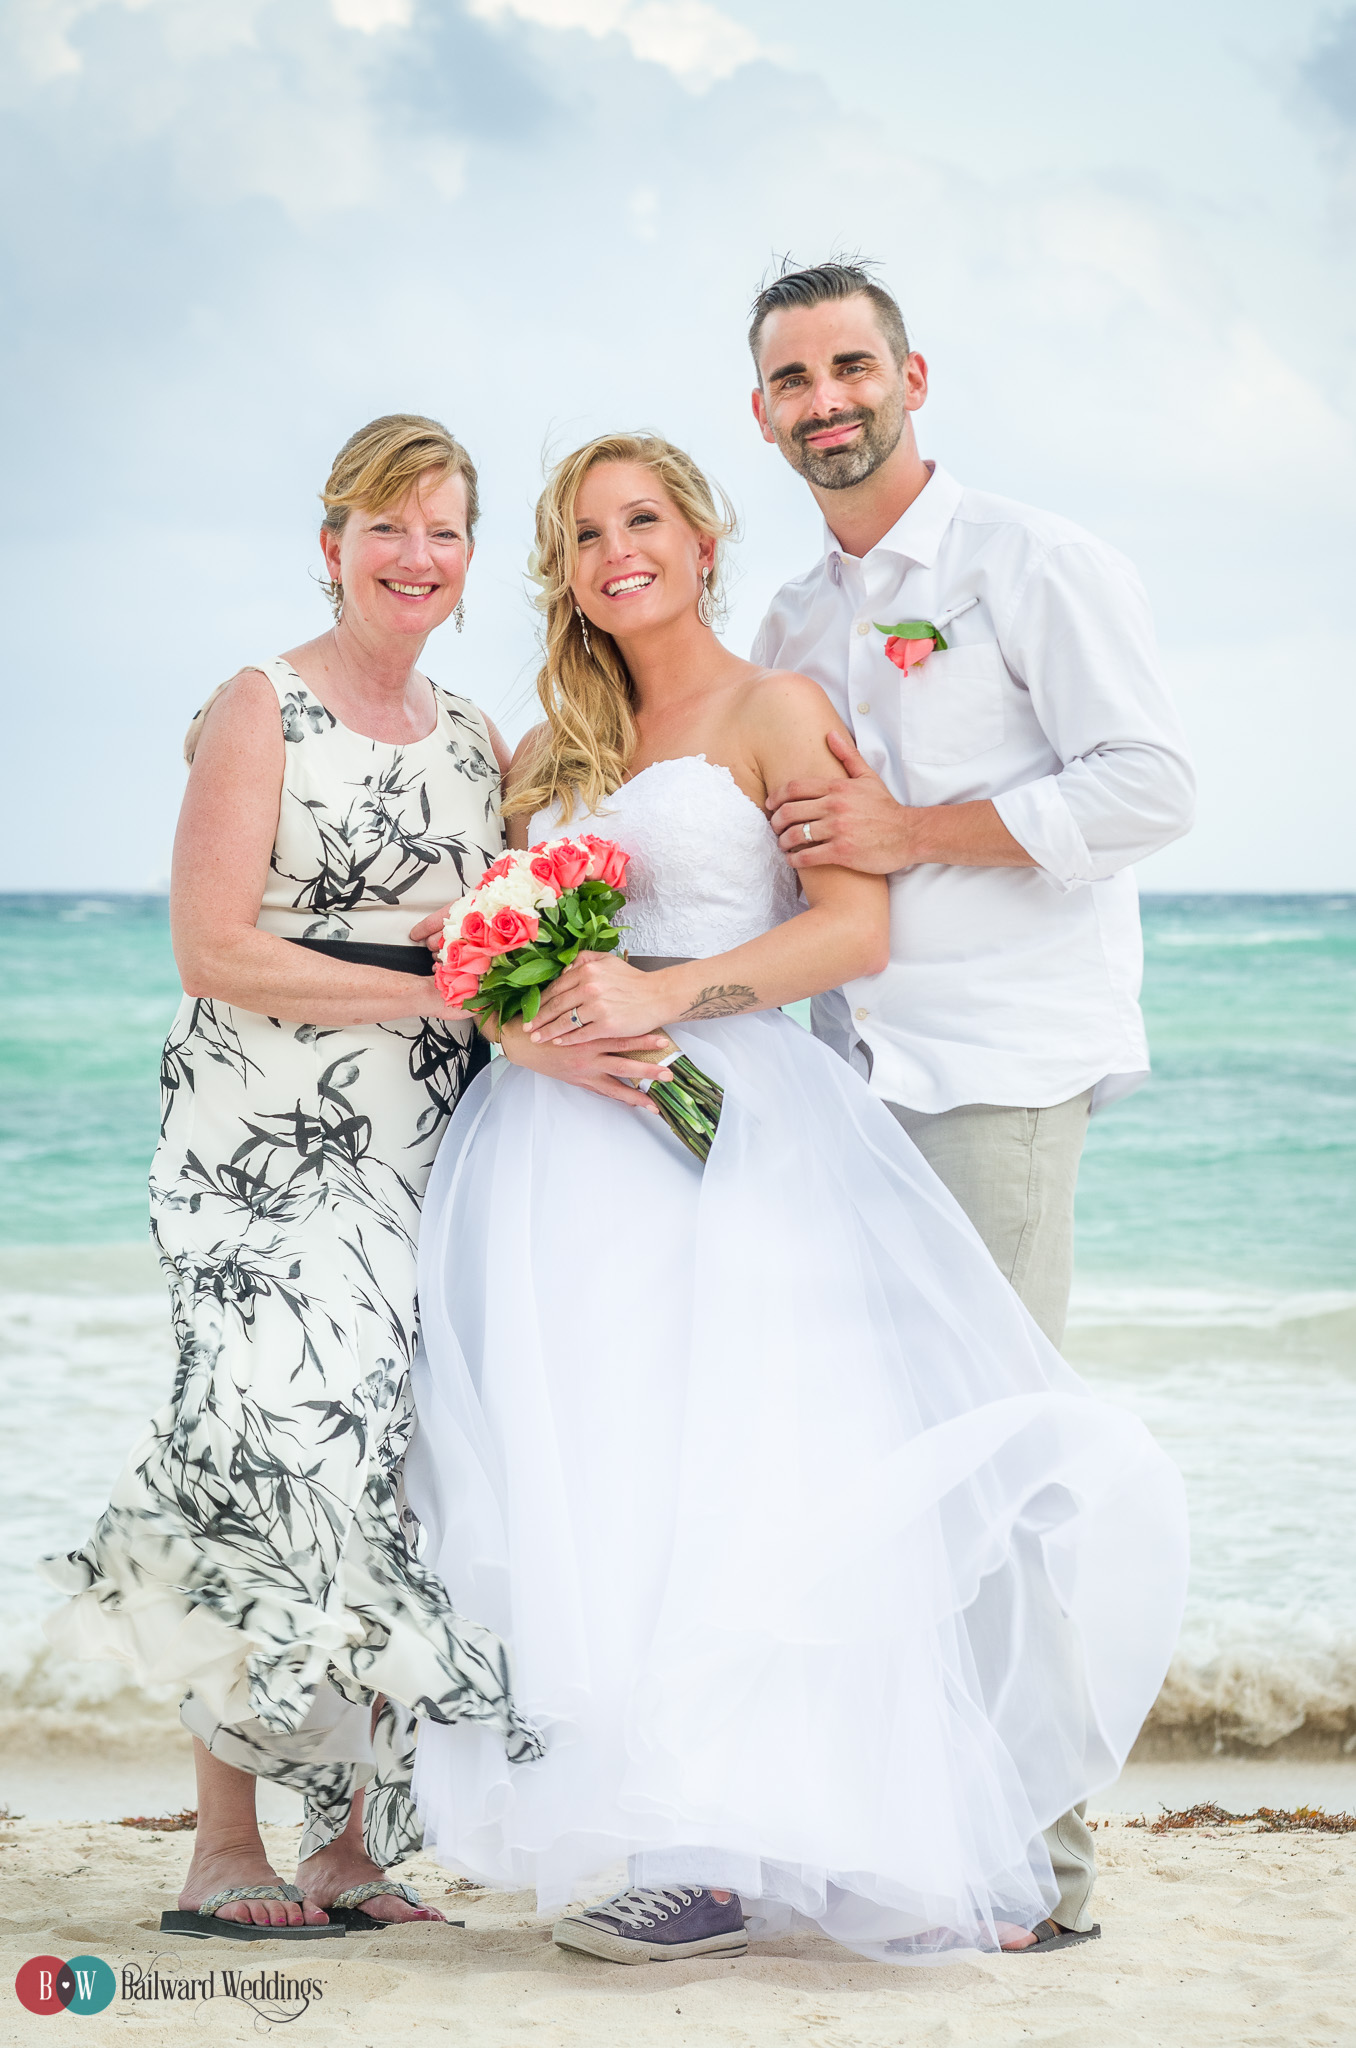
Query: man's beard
(837, 469)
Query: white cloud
(371, 16)
(694, 41)
(36, 36)
(245, 228)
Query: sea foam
(1253, 1393)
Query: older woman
(254, 1548)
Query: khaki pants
(1014, 1171)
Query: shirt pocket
(952, 706)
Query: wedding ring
(807, 835)
(575, 1019)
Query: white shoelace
(641, 1908)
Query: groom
(1016, 751)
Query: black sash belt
(395, 959)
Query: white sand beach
(1213, 1938)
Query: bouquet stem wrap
(532, 916)
(690, 1103)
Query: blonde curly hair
(586, 690)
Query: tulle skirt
(824, 1577)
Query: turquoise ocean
(1215, 1290)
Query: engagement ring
(574, 1019)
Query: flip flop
(205, 1926)
(1050, 1935)
(346, 1907)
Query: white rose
(528, 892)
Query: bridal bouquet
(532, 916)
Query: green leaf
(911, 629)
(531, 971)
(531, 1004)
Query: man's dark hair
(822, 282)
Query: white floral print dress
(257, 1547)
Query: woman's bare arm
(843, 935)
(226, 831)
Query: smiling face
(640, 563)
(403, 568)
(831, 394)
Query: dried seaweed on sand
(1265, 1820)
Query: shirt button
(863, 708)
(863, 626)
(860, 1014)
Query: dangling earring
(584, 629)
(459, 613)
(335, 593)
(706, 611)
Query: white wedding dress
(823, 1576)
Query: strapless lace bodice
(706, 871)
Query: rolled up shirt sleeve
(1081, 639)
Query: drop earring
(706, 611)
(584, 629)
(459, 613)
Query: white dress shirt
(1005, 985)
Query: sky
(233, 230)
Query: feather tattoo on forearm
(725, 999)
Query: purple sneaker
(640, 1926)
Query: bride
(827, 1582)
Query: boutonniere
(913, 640)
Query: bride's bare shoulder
(784, 698)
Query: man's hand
(853, 824)
(857, 824)
(600, 1066)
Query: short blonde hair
(383, 460)
(585, 688)
(373, 470)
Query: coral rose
(615, 862)
(542, 869)
(906, 654)
(473, 929)
(453, 986)
(571, 864)
(510, 928)
(503, 866)
(463, 958)
(607, 861)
